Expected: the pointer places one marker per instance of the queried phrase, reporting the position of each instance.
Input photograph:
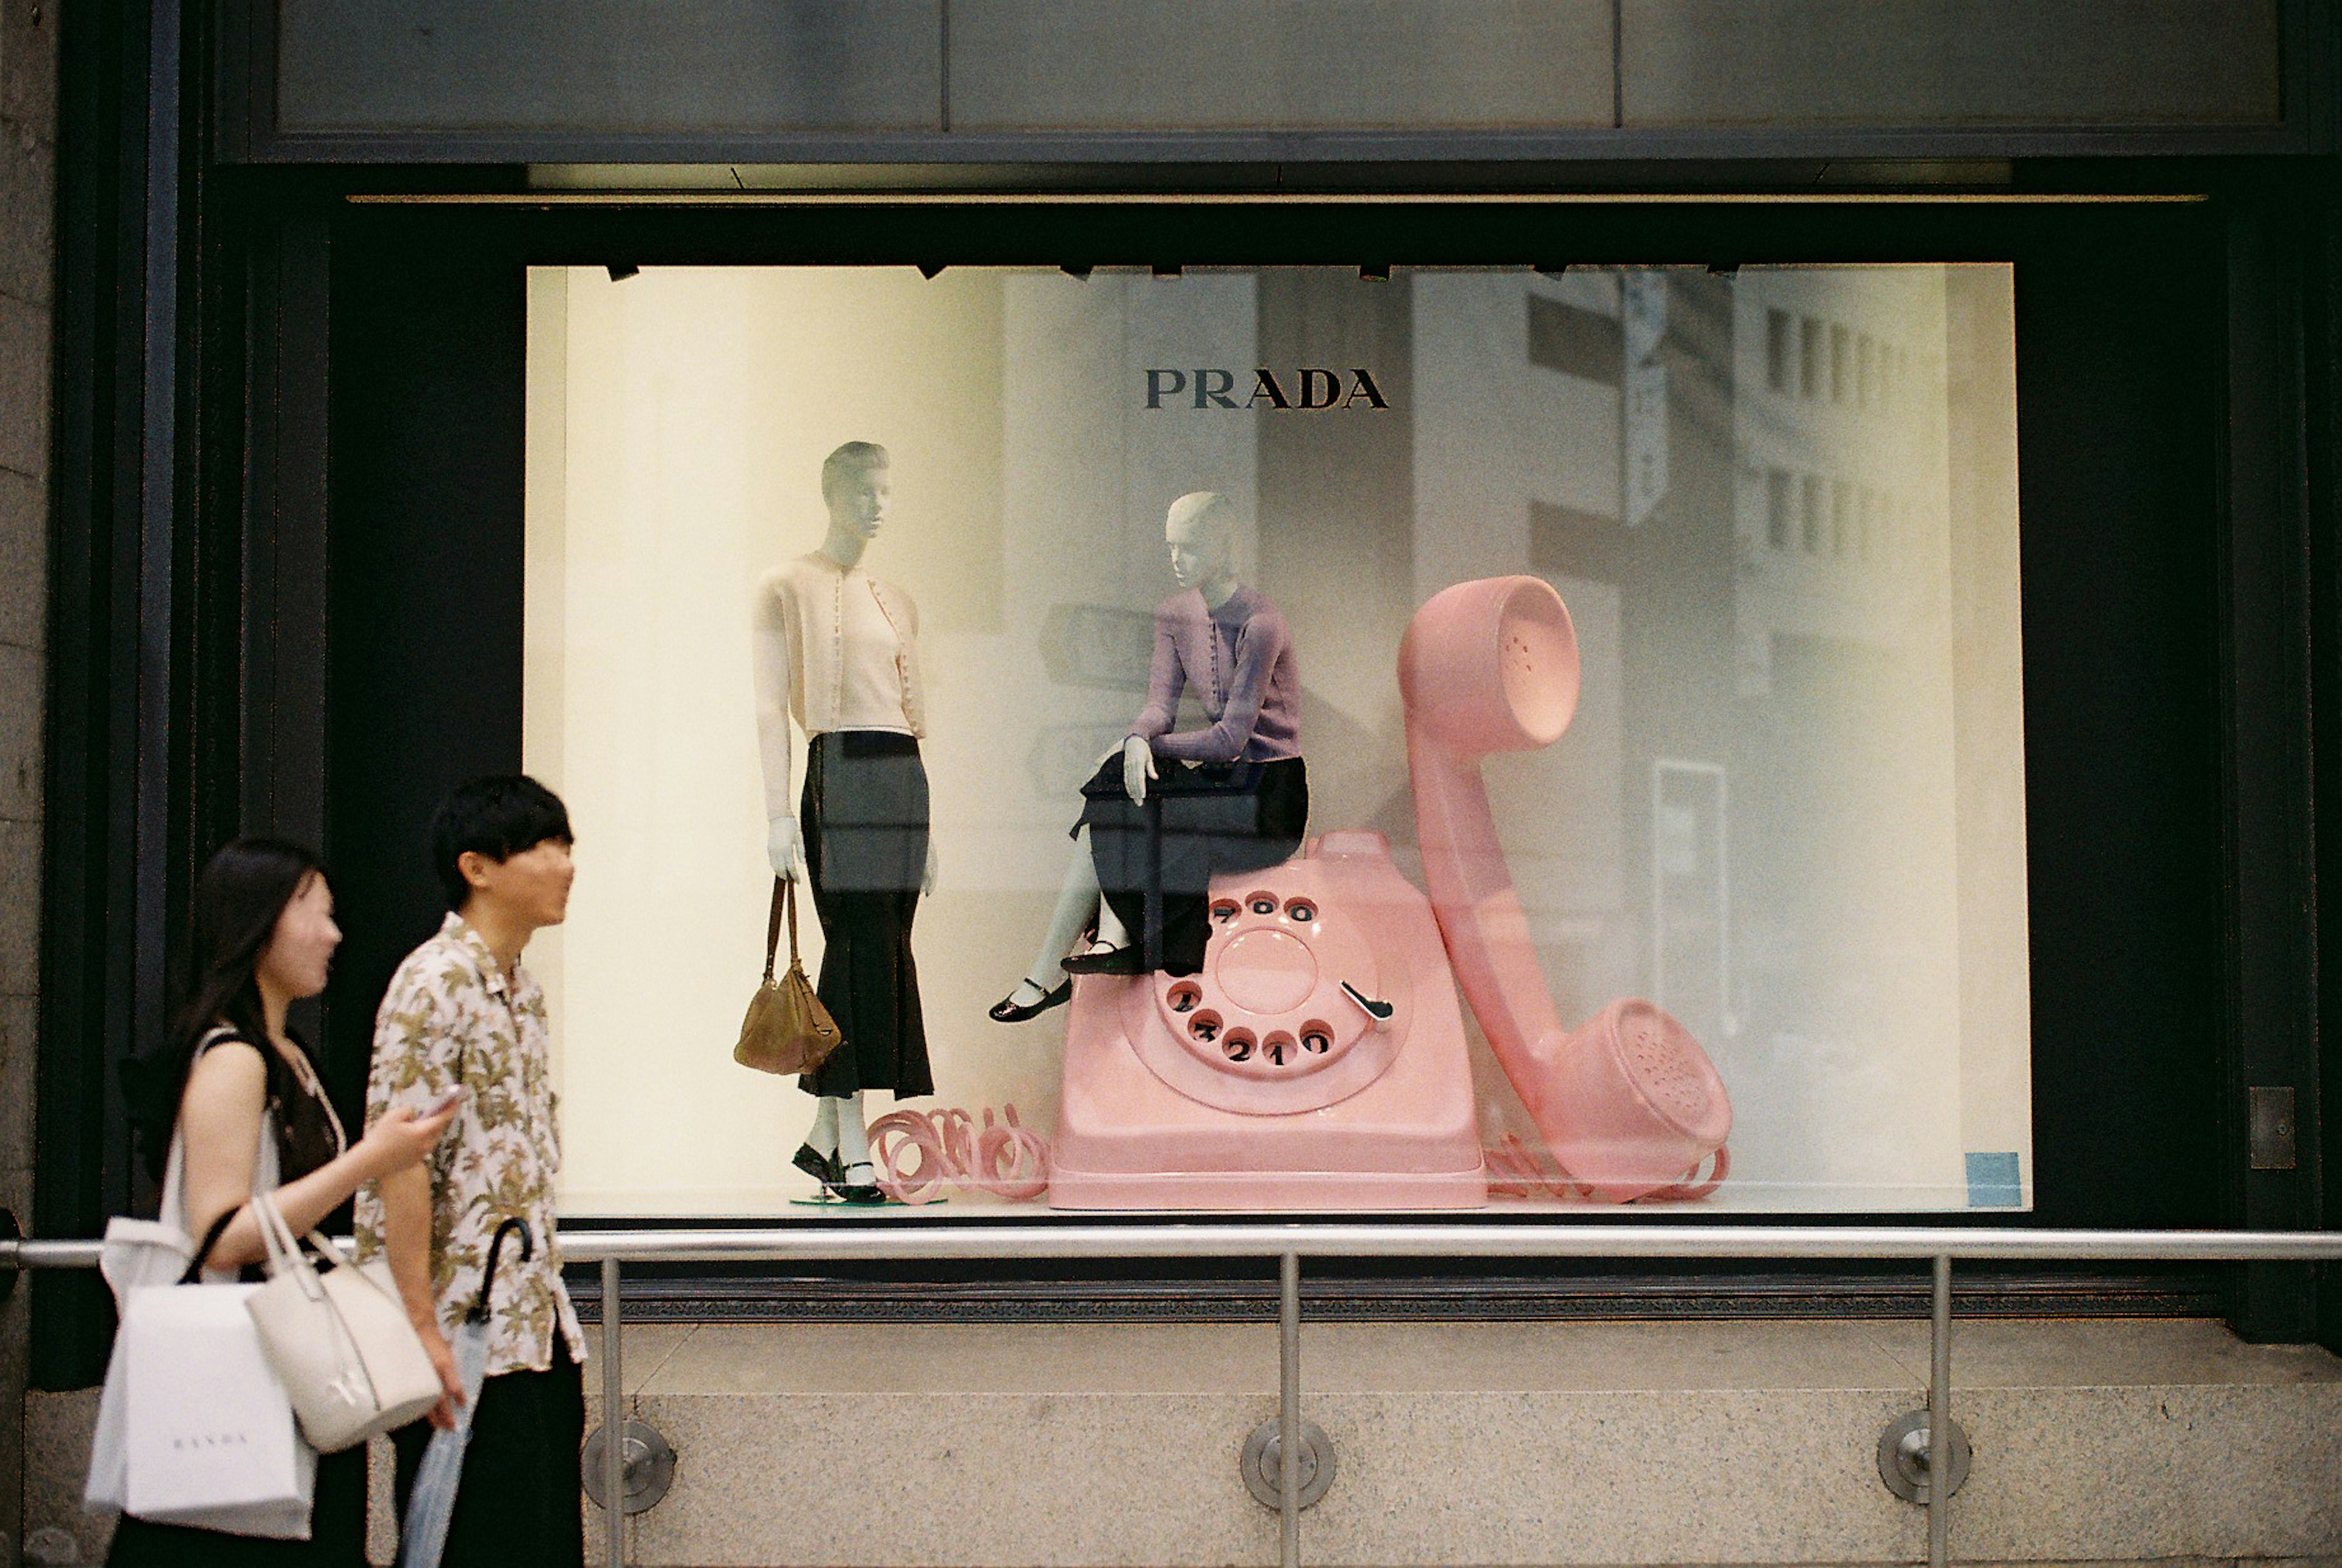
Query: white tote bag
(141, 1257)
(340, 1340)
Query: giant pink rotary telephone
(1319, 1060)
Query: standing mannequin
(1245, 793)
(838, 649)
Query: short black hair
(499, 817)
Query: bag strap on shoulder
(224, 1033)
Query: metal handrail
(913, 1238)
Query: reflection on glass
(1788, 811)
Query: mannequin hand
(927, 877)
(1137, 767)
(782, 848)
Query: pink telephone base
(1261, 1083)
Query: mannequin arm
(784, 848)
(1165, 679)
(1137, 767)
(770, 648)
(1226, 741)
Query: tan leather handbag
(787, 1029)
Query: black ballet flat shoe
(1113, 961)
(823, 1168)
(1006, 1010)
(866, 1195)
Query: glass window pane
(1761, 819)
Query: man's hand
(443, 1362)
(407, 1243)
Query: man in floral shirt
(462, 1015)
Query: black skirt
(865, 815)
(336, 1530)
(1200, 821)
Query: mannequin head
(1201, 534)
(856, 488)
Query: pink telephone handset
(1628, 1102)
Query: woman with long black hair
(231, 1075)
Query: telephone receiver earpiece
(1628, 1103)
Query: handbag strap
(784, 902)
(773, 925)
(211, 1239)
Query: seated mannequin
(1236, 794)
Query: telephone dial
(1319, 1059)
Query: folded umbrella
(423, 1537)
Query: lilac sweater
(1239, 658)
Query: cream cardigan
(798, 634)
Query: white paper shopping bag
(210, 1437)
(138, 1253)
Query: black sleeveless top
(308, 1134)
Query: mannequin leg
(1077, 904)
(824, 1138)
(1111, 929)
(853, 1141)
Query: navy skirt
(1196, 822)
(865, 817)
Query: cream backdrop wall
(690, 411)
(677, 424)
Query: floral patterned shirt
(452, 1016)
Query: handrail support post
(1288, 1408)
(1939, 1418)
(614, 1423)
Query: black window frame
(260, 548)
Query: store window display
(836, 649)
(1788, 811)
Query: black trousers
(1198, 822)
(517, 1505)
(865, 815)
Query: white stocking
(1078, 902)
(853, 1139)
(1111, 931)
(823, 1139)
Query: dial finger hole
(1238, 1044)
(1301, 910)
(1316, 1038)
(1205, 1026)
(1280, 1049)
(1261, 902)
(1224, 909)
(1185, 998)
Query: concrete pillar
(28, 74)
